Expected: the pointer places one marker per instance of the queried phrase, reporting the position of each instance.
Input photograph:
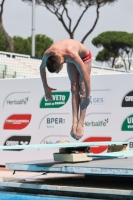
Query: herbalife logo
(128, 124)
(97, 123)
(18, 102)
(59, 99)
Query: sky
(17, 20)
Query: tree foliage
(23, 45)
(3, 43)
(115, 44)
(3, 31)
(60, 9)
(42, 43)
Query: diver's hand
(84, 102)
(48, 93)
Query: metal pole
(33, 28)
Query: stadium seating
(23, 66)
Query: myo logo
(17, 140)
(128, 100)
(59, 99)
(17, 122)
(97, 123)
(128, 124)
(17, 101)
(97, 100)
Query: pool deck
(113, 167)
(109, 179)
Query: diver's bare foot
(79, 131)
(73, 130)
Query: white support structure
(33, 28)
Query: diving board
(121, 154)
(69, 152)
(62, 145)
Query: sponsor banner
(97, 100)
(92, 123)
(17, 122)
(56, 123)
(106, 118)
(128, 124)
(17, 140)
(98, 149)
(130, 140)
(16, 99)
(16, 102)
(54, 140)
(97, 121)
(52, 121)
(59, 99)
(128, 100)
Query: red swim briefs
(87, 57)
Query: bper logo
(128, 124)
(17, 140)
(17, 122)
(59, 99)
(128, 100)
(53, 121)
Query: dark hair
(53, 63)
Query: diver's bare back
(67, 46)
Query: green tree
(3, 31)
(3, 43)
(126, 52)
(23, 45)
(42, 43)
(105, 55)
(60, 9)
(115, 44)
